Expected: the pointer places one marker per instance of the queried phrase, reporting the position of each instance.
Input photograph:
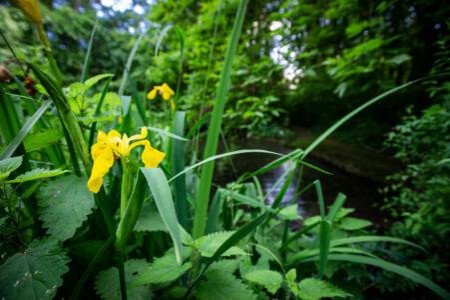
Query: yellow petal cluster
(31, 10)
(164, 90)
(114, 145)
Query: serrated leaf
(64, 205)
(315, 289)
(34, 274)
(107, 283)
(208, 244)
(9, 165)
(220, 285)
(163, 269)
(42, 139)
(350, 223)
(269, 279)
(149, 220)
(37, 174)
(290, 212)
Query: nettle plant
(146, 227)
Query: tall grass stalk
(215, 125)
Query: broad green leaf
(221, 285)
(8, 165)
(34, 274)
(107, 282)
(93, 80)
(37, 174)
(162, 194)
(42, 139)
(269, 279)
(149, 220)
(64, 204)
(315, 289)
(163, 269)
(208, 244)
(350, 223)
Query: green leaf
(34, 274)
(42, 139)
(163, 269)
(315, 289)
(350, 115)
(149, 220)
(290, 212)
(269, 279)
(9, 150)
(8, 165)
(162, 194)
(93, 80)
(221, 156)
(64, 205)
(221, 285)
(350, 223)
(405, 272)
(208, 244)
(107, 283)
(214, 129)
(37, 174)
(372, 239)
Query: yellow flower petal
(166, 92)
(101, 136)
(142, 135)
(152, 94)
(152, 157)
(101, 166)
(99, 148)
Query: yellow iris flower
(165, 91)
(31, 9)
(114, 145)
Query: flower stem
(125, 187)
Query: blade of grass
(160, 190)
(212, 158)
(87, 59)
(98, 109)
(373, 239)
(340, 199)
(12, 146)
(213, 223)
(127, 69)
(350, 115)
(215, 125)
(400, 270)
(324, 245)
(80, 284)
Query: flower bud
(31, 10)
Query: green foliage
(208, 244)
(163, 269)
(42, 139)
(36, 273)
(108, 287)
(8, 165)
(65, 204)
(315, 289)
(270, 280)
(222, 285)
(36, 174)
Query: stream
(362, 193)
